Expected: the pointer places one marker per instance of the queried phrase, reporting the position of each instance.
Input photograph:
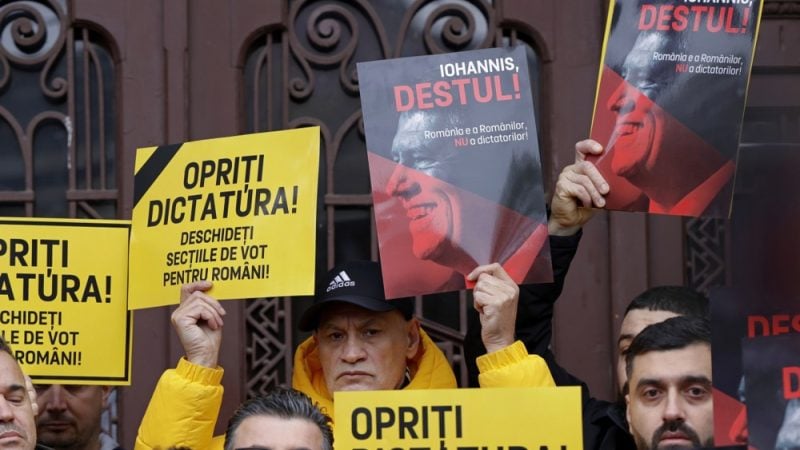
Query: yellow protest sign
(238, 211)
(459, 419)
(63, 305)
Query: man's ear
(106, 393)
(413, 338)
(628, 411)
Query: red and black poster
(737, 316)
(670, 101)
(455, 169)
(772, 387)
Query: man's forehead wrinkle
(348, 318)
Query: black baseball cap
(359, 283)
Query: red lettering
(698, 15)
(791, 389)
(441, 89)
(680, 18)
(772, 325)
(752, 321)
(498, 90)
(647, 17)
(443, 93)
(710, 23)
(424, 93)
(399, 102)
(476, 89)
(778, 321)
(462, 90)
(664, 17)
(729, 28)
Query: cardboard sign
(669, 103)
(772, 385)
(63, 305)
(237, 211)
(510, 418)
(455, 170)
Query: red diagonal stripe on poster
(431, 233)
(653, 159)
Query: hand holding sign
(496, 296)
(198, 323)
(579, 188)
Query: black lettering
(408, 418)
(358, 434)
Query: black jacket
(604, 424)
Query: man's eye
(651, 394)
(15, 399)
(697, 392)
(335, 336)
(371, 332)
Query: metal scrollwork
(332, 33)
(449, 26)
(31, 34)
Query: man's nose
(674, 407)
(400, 184)
(353, 350)
(623, 99)
(6, 412)
(54, 398)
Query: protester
(361, 341)
(70, 417)
(669, 371)
(284, 419)
(580, 186)
(17, 423)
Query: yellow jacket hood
(429, 370)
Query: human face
(17, 429)
(362, 350)
(634, 322)
(670, 403)
(432, 206)
(637, 136)
(275, 433)
(70, 414)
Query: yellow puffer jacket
(429, 370)
(185, 404)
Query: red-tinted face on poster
(433, 206)
(638, 135)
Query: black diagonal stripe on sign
(152, 169)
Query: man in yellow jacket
(361, 341)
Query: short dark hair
(672, 334)
(4, 346)
(680, 300)
(283, 403)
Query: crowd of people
(362, 341)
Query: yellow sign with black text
(238, 211)
(63, 304)
(459, 419)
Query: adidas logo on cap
(340, 280)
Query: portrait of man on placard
(670, 133)
(446, 202)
